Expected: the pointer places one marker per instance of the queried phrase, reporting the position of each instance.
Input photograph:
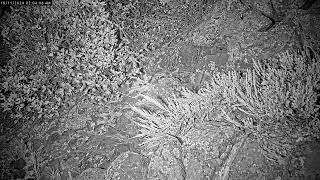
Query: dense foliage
(277, 100)
(67, 50)
(71, 50)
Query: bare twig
(231, 120)
(224, 172)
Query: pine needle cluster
(166, 119)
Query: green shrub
(68, 49)
(167, 119)
(278, 99)
(276, 90)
